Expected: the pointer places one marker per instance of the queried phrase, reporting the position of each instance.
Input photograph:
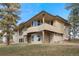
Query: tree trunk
(69, 37)
(8, 33)
(8, 40)
(74, 32)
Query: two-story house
(42, 28)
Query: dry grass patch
(39, 50)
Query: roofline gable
(61, 19)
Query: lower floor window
(36, 38)
(39, 38)
(21, 40)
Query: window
(36, 23)
(35, 37)
(32, 37)
(21, 40)
(39, 22)
(51, 22)
(39, 38)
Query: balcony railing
(42, 27)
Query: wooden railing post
(43, 34)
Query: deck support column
(43, 33)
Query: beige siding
(58, 26)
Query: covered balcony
(43, 22)
(42, 27)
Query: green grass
(39, 50)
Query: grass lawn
(39, 50)
(74, 41)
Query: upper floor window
(36, 23)
(50, 22)
(39, 22)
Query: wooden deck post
(43, 34)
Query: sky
(28, 10)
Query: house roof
(44, 12)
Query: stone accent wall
(57, 38)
